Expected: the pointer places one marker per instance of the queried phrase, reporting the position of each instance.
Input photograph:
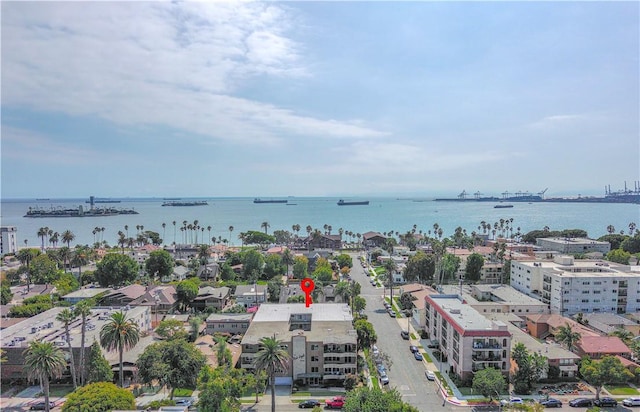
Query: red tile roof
(602, 344)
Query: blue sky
(318, 98)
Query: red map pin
(307, 287)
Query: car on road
(578, 402)
(551, 403)
(386, 304)
(417, 355)
(41, 406)
(605, 402)
(384, 379)
(392, 313)
(413, 349)
(381, 368)
(309, 403)
(512, 401)
(184, 402)
(337, 402)
(375, 350)
(404, 334)
(631, 402)
(430, 375)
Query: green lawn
(60, 391)
(182, 392)
(621, 390)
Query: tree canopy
(116, 270)
(420, 267)
(99, 397)
(366, 333)
(488, 382)
(375, 400)
(605, 371)
(159, 264)
(473, 270)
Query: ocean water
(381, 215)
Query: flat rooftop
(462, 314)
(507, 294)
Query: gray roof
(85, 293)
(330, 323)
(229, 317)
(250, 289)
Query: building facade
(320, 340)
(571, 286)
(468, 341)
(233, 323)
(8, 240)
(573, 245)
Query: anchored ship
(186, 203)
(258, 200)
(353, 203)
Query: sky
(214, 99)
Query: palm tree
(271, 357)
(78, 260)
(164, 232)
(624, 335)
(119, 333)
(174, 233)
(25, 256)
(66, 316)
(390, 267)
(43, 361)
(567, 336)
(83, 309)
(230, 230)
(287, 259)
(68, 237)
(42, 233)
(265, 226)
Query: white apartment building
(573, 245)
(570, 286)
(8, 240)
(320, 340)
(469, 341)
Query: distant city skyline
(270, 99)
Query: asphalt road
(405, 374)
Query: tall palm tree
(265, 226)
(68, 237)
(66, 316)
(174, 233)
(78, 260)
(567, 336)
(287, 259)
(83, 309)
(42, 233)
(271, 357)
(119, 333)
(390, 267)
(25, 256)
(43, 361)
(230, 230)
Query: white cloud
(171, 64)
(555, 121)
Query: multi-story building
(8, 240)
(570, 286)
(320, 340)
(467, 340)
(45, 328)
(250, 295)
(573, 245)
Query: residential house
(373, 239)
(606, 323)
(418, 292)
(323, 241)
(209, 271)
(83, 294)
(123, 296)
(542, 325)
(208, 346)
(160, 299)
(251, 295)
(598, 346)
(210, 297)
(232, 323)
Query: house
(232, 323)
(208, 346)
(161, 299)
(418, 292)
(251, 295)
(542, 325)
(208, 271)
(598, 346)
(323, 241)
(320, 340)
(210, 297)
(373, 239)
(123, 296)
(606, 323)
(83, 294)
(179, 273)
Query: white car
(430, 375)
(631, 402)
(511, 401)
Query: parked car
(404, 334)
(433, 344)
(581, 402)
(430, 375)
(384, 379)
(551, 403)
(41, 406)
(512, 401)
(337, 402)
(375, 350)
(413, 349)
(417, 355)
(605, 402)
(392, 313)
(386, 305)
(631, 402)
(309, 403)
(381, 368)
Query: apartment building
(467, 340)
(8, 240)
(320, 340)
(497, 299)
(570, 286)
(573, 245)
(44, 327)
(234, 323)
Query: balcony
(335, 375)
(480, 345)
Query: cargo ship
(78, 212)
(352, 203)
(93, 200)
(258, 200)
(186, 203)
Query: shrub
(98, 397)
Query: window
(314, 369)
(585, 292)
(596, 292)
(315, 359)
(314, 346)
(586, 283)
(585, 300)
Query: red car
(336, 403)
